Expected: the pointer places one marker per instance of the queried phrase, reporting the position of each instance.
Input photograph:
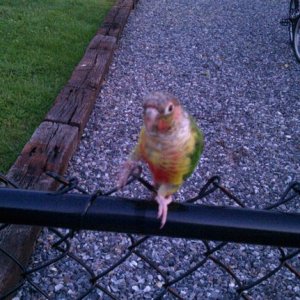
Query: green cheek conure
(170, 143)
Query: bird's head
(162, 112)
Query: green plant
(40, 44)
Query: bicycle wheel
(292, 11)
(296, 39)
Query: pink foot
(125, 171)
(163, 203)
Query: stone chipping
(231, 65)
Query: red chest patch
(159, 175)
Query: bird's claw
(163, 203)
(128, 168)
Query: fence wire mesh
(256, 273)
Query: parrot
(170, 143)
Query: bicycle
(293, 23)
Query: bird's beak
(150, 115)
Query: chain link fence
(57, 250)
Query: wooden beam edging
(76, 100)
(54, 142)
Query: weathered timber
(116, 19)
(73, 106)
(76, 100)
(55, 140)
(19, 242)
(90, 71)
(49, 149)
(135, 2)
(126, 3)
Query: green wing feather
(198, 149)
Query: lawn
(40, 44)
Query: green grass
(40, 44)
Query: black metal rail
(106, 213)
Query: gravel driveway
(230, 64)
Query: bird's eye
(170, 108)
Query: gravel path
(231, 65)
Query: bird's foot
(163, 203)
(130, 167)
